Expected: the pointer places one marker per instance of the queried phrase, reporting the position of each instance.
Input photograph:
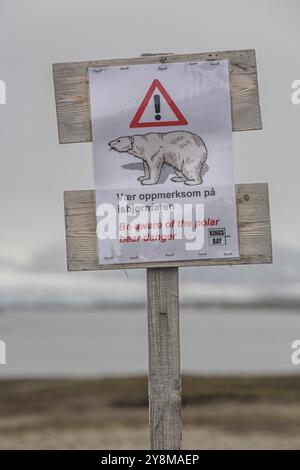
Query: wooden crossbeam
(72, 94)
(253, 227)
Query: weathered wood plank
(253, 225)
(164, 381)
(72, 102)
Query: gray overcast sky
(35, 169)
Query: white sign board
(162, 143)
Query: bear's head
(122, 144)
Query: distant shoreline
(135, 306)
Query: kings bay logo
(2, 353)
(2, 92)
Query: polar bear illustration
(184, 151)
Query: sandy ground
(218, 413)
(124, 438)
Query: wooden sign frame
(74, 125)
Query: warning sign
(163, 160)
(158, 99)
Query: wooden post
(164, 359)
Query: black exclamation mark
(157, 107)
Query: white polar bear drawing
(184, 151)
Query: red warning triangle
(181, 121)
